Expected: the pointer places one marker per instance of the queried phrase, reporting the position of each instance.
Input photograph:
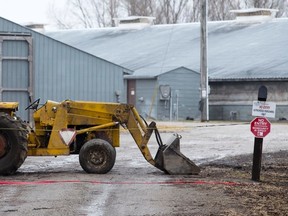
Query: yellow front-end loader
(90, 129)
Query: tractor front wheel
(97, 156)
(13, 144)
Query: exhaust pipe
(170, 160)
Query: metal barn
(37, 66)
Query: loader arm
(140, 132)
(168, 158)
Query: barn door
(16, 78)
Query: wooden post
(203, 61)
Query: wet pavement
(59, 186)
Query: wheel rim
(3, 145)
(97, 157)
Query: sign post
(260, 127)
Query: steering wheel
(33, 105)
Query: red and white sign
(260, 127)
(67, 135)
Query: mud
(59, 186)
(266, 197)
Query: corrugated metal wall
(184, 95)
(182, 82)
(71, 74)
(60, 71)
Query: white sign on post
(264, 109)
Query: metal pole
(203, 62)
(177, 104)
(257, 157)
(171, 108)
(258, 142)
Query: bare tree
(100, 13)
(59, 17)
(113, 10)
(170, 11)
(139, 7)
(220, 9)
(104, 11)
(81, 12)
(165, 11)
(191, 12)
(89, 13)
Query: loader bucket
(169, 159)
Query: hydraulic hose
(157, 134)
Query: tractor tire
(13, 144)
(97, 156)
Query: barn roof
(236, 50)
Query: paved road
(58, 186)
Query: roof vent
(40, 27)
(134, 21)
(255, 14)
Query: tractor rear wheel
(13, 144)
(97, 156)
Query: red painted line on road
(37, 182)
(177, 182)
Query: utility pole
(204, 103)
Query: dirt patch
(267, 197)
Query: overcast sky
(27, 11)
